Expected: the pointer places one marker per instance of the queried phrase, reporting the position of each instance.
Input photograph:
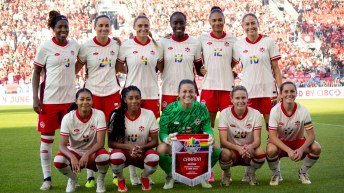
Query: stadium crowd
(22, 29)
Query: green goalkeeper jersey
(176, 119)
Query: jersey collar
(100, 44)
(285, 112)
(260, 36)
(62, 45)
(79, 117)
(137, 115)
(236, 116)
(213, 36)
(142, 44)
(186, 36)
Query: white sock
(132, 171)
(90, 173)
(45, 154)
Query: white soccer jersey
(58, 73)
(217, 55)
(100, 61)
(256, 59)
(82, 134)
(293, 127)
(137, 130)
(141, 60)
(240, 131)
(179, 57)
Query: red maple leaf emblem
(209, 43)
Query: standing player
(288, 123)
(184, 116)
(239, 128)
(181, 55)
(55, 62)
(142, 56)
(130, 128)
(259, 56)
(82, 141)
(99, 55)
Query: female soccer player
(259, 57)
(239, 128)
(184, 111)
(82, 141)
(288, 123)
(129, 129)
(181, 54)
(142, 55)
(55, 62)
(99, 56)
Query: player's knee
(60, 161)
(315, 148)
(102, 157)
(151, 158)
(226, 155)
(271, 150)
(163, 148)
(117, 157)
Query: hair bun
(215, 8)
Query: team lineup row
(212, 55)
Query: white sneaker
(304, 178)
(206, 184)
(252, 178)
(134, 180)
(280, 176)
(245, 178)
(151, 182)
(71, 185)
(169, 183)
(100, 186)
(226, 180)
(274, 180)
(46, 185)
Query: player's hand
(292, 155)
(171, 137)
(298, 154)
(211, 140)
(203, 70)
(118, 41)
(168, 36)
(75, 164)
(83, 160)
(37, 106)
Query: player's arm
(198, 65)
(160, 66)
(277, 73)
(274, 139)
(309, 140)
(152, 143)
(163, 124)
(64, 150)
(35, 84)
(121, 67)
(78, 66)
(225, 143)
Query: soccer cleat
(115, 180)
(47, 185)
(134, 180)
(169, 183)
(226, 180)
(245, 178)
(100, 186)
(212, 178)
(71, 185)
(90, 183)
(252, 178)
(274, 180)
(304, 178)
(206, 184)
(145, 184)
(121, 186)
(280, 176)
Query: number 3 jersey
(240, 130)
(100, 61)
(290, 127)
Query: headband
(58, 18)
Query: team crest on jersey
(297, 123)
(203, 101)
(232, 125)
(209, 43)
(85, 138)
(176, 123)
(249, 126)
(170, 48)
(135, 52)
(245, 51)
(187, 49)
(197, 121)
(42, 124)
(152, 52)
(164, 104)
(112, 53)
(280, 125)
(92, 127)
(72, 52)
(57, 54)
(76, 130)
(226, 44)
(95, 53)
(141, 128)
(262, 49)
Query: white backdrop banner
(320, 92)
(16, 99)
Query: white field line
(329, 124)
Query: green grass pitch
(21, 171)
